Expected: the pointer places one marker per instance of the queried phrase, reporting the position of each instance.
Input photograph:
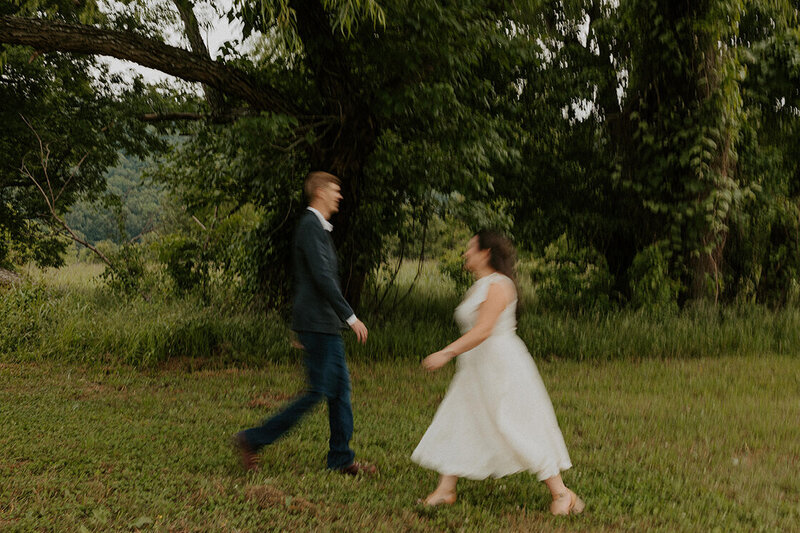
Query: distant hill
(140, 204)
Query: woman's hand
(437, 360)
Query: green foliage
(675, 162)
(423, 131)
(82, 121)
(762, 262)
(106, 247)
(570, 278)
(652, 287)
(129, 206)
(451, 265)
(183, 260)
(679, 146)
(222, 251)
(279, 17)
(230, 171)
(128, 274)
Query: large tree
(389, 98)
(654, 128)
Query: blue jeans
(329, 378)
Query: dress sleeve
(488, 281)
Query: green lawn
(671, 445)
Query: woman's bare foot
(566, 503)
(439, 498)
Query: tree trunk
(342, 151)
(707, 268)
(357, 238)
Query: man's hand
(360, 330)
(437, 360)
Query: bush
(570, 278)
(184, 262)
(652, 288)
(128, 273)
(451, 264)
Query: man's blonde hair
(318, 179)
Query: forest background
(644, 153)
(643, 156)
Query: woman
(496, 418)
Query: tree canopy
(662, 135)
(63, 120)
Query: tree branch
(145, 230)
(51, 200)
(215, 99)
(49, 36)
(228, 115)
(173, 115)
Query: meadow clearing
(101, 433)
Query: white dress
(496, 418)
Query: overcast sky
(216, 30)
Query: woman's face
(475, 259)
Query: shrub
(570, 278)
(652, 288)
(184, 262)
(128, 273)
(451, 264)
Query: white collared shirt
(327, 226)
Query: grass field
(116, 415)
(691, 445)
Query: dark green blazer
(319, 305)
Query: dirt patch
(269, 400)
(11, 369)
(228, 371)
(8, 278)
(267, 496)
(189, 364)
(201, 495)
(90, 389)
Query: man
(318, 316)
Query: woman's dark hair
(502, 255)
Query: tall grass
(68, 315)
(76, 319)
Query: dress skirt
(496, 418)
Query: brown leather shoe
(355, 468)
(246, 452)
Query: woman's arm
(499, 296)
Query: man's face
(330, 196)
